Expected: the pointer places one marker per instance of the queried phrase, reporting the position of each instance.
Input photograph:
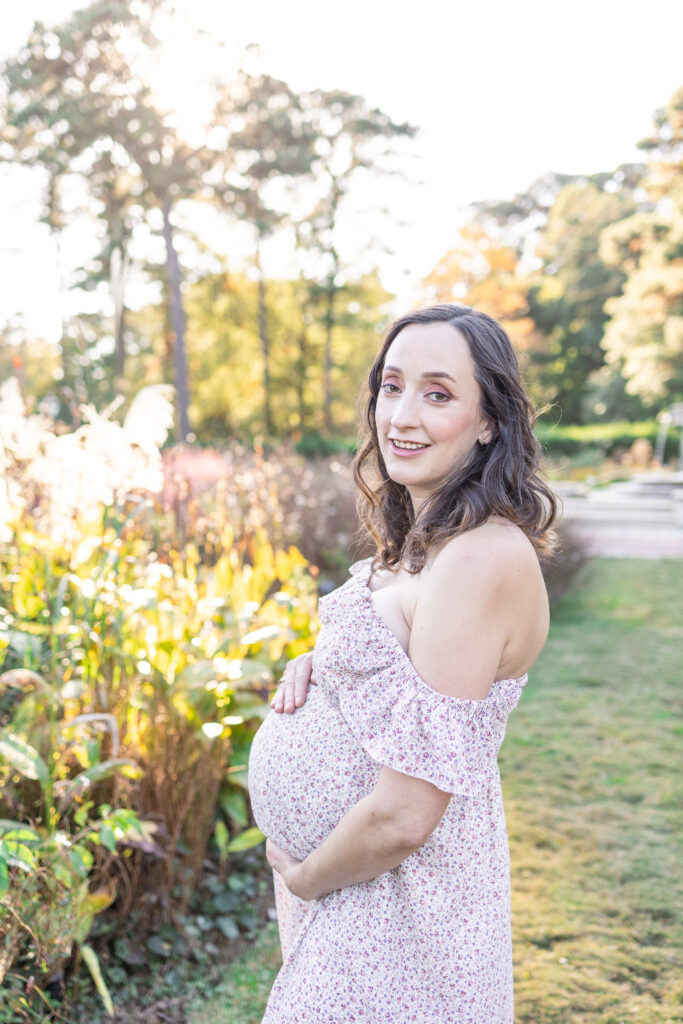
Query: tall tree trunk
(54, 234)
(331, 294)
(302, 339)
(118, 271)
(327, 366)
(120, 351)
(265, 346)
(178, 322)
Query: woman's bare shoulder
(481, 611)
(487, 584)
(495, 548)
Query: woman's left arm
(383, 828)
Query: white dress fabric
(428, 942)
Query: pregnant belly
(306, 771)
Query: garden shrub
(138, 649)
(603, 438)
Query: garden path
(638, 518)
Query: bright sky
(501, 91)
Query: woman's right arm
(293, 687)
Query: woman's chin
(417, 486)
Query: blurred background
(209, 215)
(237, 201)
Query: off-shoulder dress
(430, 941)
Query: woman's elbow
(413, 826)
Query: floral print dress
(428, 942)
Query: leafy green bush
(317, 445)
(603, 438)
(136, 666)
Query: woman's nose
(405, 412)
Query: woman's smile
(404, 448)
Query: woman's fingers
(302, 674)
(291, 693)
(284, 695)
(278, 700)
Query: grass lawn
(241, 996)
(593, 781)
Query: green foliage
(318, 445)
(37, 362)
(242, 992)
(604, 438)
(557, 315)
(645, 336)
(135, 670)
(93, 965)
(226, 358)
(567, 304)
(286, 358)
(350, 137)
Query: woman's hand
(376, 835)
(293, 688)
(290, 868)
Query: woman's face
(428, 409)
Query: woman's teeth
(408, 444)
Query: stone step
(645, 490)
(607, 515)
(618, 503)
(605, 540)
(643, 485)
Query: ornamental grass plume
(68, 476)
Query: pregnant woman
(378, 787)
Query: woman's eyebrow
(428, 373)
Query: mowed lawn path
(593, 781)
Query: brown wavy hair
(499, 478)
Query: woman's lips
(405, 452)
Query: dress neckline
(361, 571)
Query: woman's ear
(486, 435)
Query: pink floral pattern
(428, 942)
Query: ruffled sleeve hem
(361, 566)
(453, 745)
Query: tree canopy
(586, 271)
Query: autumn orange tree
(483, 271)
(535, 263)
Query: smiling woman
(432, 417)
(474, 380)
(380, 793)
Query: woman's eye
(441, 396)
(387, 386)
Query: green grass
(593, 783)
(241, 997)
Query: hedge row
(604, 438)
